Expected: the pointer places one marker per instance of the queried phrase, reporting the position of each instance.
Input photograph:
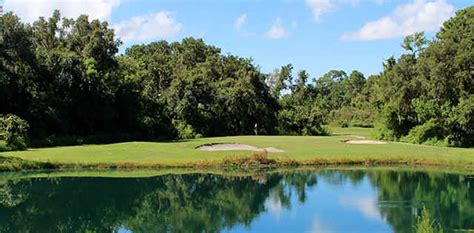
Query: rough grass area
(17, 164)
(298, 150)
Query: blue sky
(315, 35)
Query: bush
(100, 138)
(14, 131)
(184, 130)
(461, 121)
(342, 117)
(363, 117)
(350, 116)
(3, 146)
(300, 121)
(383, 133)
(429, 132)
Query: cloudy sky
(316, 35)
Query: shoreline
(12, 164)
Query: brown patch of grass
(256, 160)
(261, 157)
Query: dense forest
(62, 82)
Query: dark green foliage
(14, 131)
(430, 132)
(461, 123)
(213, 95)
(300, 120)
(428, 93)
(279, 80)
(300, 114)
(184, 130)
(345, 100)
(64, 77)
(354, 116)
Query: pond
(359, 200)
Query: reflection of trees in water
(175, 203)
(449, 198)
(338, 178)
(212, 203)
(13, 194)
(402, 194)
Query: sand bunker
(366, 142)
(234, 146)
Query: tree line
(64, 80)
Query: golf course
(237, 116)
(294, 150)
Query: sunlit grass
(303, 150)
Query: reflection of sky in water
(123, 230)
(328, 208)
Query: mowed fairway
(300, 148)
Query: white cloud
(240, 21)
(146, 27)
(273, 204)
(277, 31)
(317, 226)
(406, 19)
(351, 2)
(357, 2)
(319, 7)
(29, 10)
(239, 26)
(366, 205)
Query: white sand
(367, 142)
(235, 146)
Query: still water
(317, 201)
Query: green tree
(14, 131)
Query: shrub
(461, 121)
(395, 124)
(3, 146)
(300, 121)
(14, 131)
(363, 117)
(342, 117)
(430, 132)
(351, 116)
(184, 130)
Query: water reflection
(324, 201)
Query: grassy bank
(298, 150)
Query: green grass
(302, 150)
